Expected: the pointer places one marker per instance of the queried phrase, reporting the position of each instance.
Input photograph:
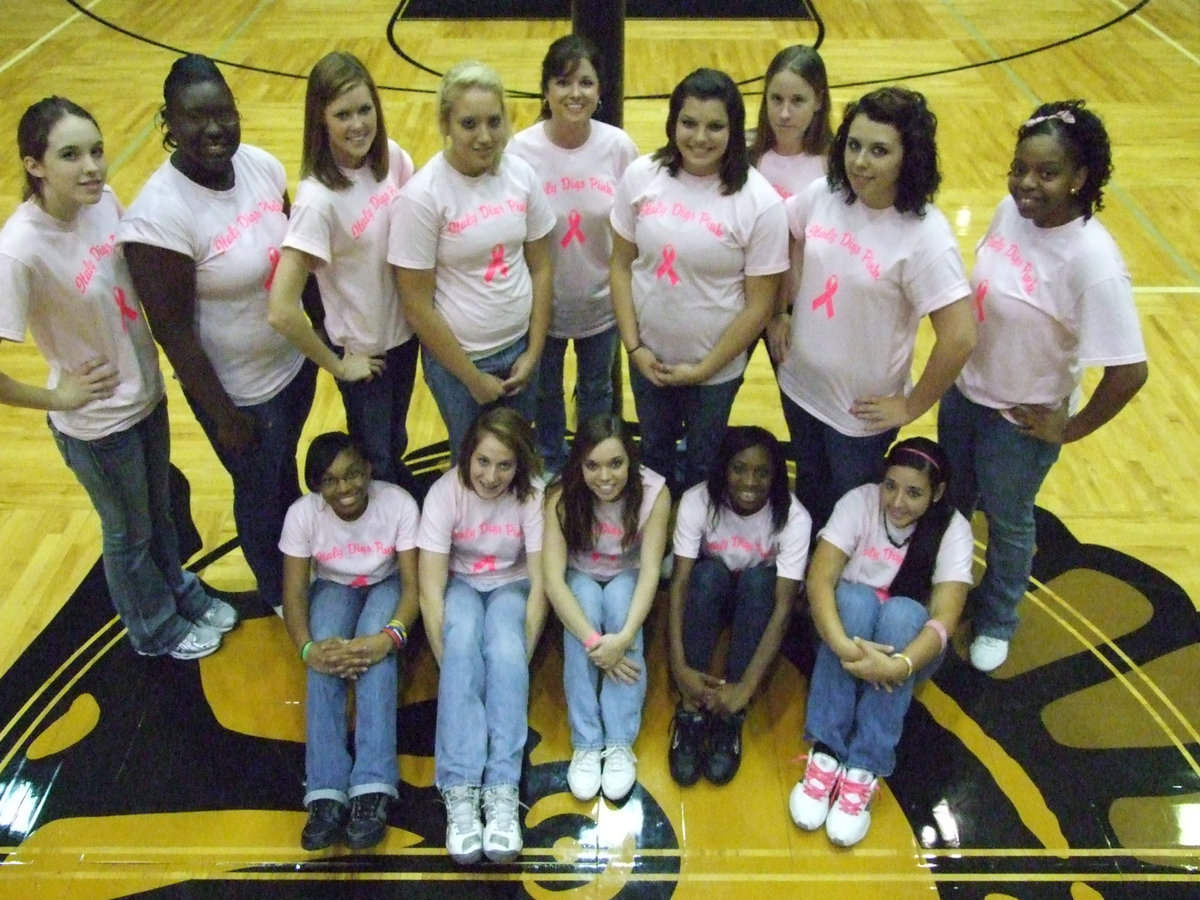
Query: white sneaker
(502, 835)
(583, 775)
(988, 653)
(219, 616)
(199, 641)
(850, 816)
(464, 831)
(620, 772)
(812, 795)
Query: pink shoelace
(819, 783)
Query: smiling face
(906, 495)
(72, 170)
(702, 135)
(1043, 180)
(874, 156)
(572, 98)
(748, 480)
(205, 125)
(344, 485)
(351, 121)
(791, 105)
(606, 470)
(475, 131)
(493, 468)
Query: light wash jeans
(1002, 469)
(593, 390)
(860, 724)
(125, 475)
(602, 711)
(339, 610)
(715, 595)
(483, 694)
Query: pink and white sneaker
(850, 816)
(812, 795)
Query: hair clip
(1063, 115)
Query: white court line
(1160, 34)
(1176, 289)
(13, 60)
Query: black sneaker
(724, 748)
(326, 819)
(368, 820)
(687, 753)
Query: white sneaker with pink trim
(850, 816)
(810, 798)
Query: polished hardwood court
(1071, 772)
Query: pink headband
(925, 456)
(1063, 115)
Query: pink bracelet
(938, 629)
(592, 641)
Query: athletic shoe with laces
(724, 748)
(464, 830)
(502, 834)
(850, 816)
(219, 616)
(199, 641)
(326, 819)
(686, 755)
(810, 798)
(583, 775)
(620, 772)
(988, 653)
(368, 820)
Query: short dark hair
(562, 59)
(1085, 139)
(323, 450)
(710, 84)
(194, 68)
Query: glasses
(352, 475)
(200, 120)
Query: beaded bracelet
(304, 651)
(592, 641)
(907, 662)
(939, 629)
(397, 632)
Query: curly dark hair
(576, 504)
(909, 114)
(710, 84)
(1085, 140)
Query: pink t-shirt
(742, 542)
(347, 231)
(579, 184)
(234, 237)
(856, 528)
(695, 248)
(608, 558)
(472, 232)
(789, 174)
(488, 541)
(1049, 301)
(867, 279)
(67, 282)
(358, 553)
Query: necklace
(899, 545)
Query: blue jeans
(999, 467)
(483, 694)
(715, 596)
(458, 407)
(265, 479)
(829, 463)
(698, 413)
(377, 413)
(339, 610)
(602, 711)
(125, 475)
(861, 725)
(593, 391)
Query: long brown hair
(576, 506)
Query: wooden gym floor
(1071, 773)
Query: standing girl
(352, 175)
(699, 247)
(606, 531)
(876, 256)
(1066, 305)
(483, 605)
(202, 239)
(579, 161)
(887, 584)
(470, 240)
(741, 545)
(62, 278)
(350, 599)
(791, 142)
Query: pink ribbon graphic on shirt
(273, 256)
(360, 581)
(127, 311)
(574, 219)
(497, 265)
(980, 293)
(486, 564)
(826, 299)
(668, 265)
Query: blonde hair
(459, 79)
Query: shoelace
(819, 783)
(854, 796)
(620, 755)
(461, 805)
(500, 807)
